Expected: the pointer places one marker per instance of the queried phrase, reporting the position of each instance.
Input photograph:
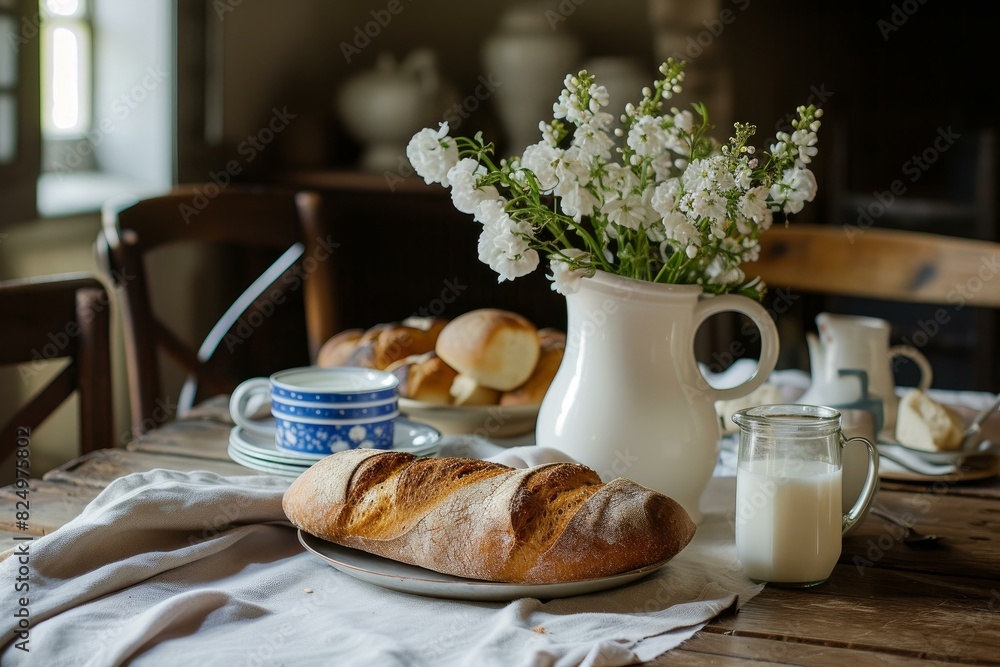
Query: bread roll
(424, 377)
(466, 391)
(363, 354)
(472, 518)
(496, 348)
(550, 336)
(338, 350)
(398, 342)
(923, 423)
(533, 391)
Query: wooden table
(887, 602)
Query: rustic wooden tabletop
(892, 600)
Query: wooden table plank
(194, 438)
(99, 468)
(51, 504)
(984, 488)
(909, 615)
(710, 647)
(969, 529)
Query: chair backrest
(881, 264)
(284, 224)
(59, 317)
(953, 281)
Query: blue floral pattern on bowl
(311, 438)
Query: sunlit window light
(65, 78)
(63, 7)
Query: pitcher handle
(768, 340)
(914, 355)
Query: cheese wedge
(923, 423)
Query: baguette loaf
(481, 520)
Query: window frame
(18, 177)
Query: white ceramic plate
(408, 436)
(991, 437)
(419, 581)
(269, 467)
(488, 421)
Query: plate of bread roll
(484, 372)
(473, 529)
(935, 432)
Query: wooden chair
(58, 317)
(950, 274)
(244, 220)
(405, 250)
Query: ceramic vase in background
(529, 59)
(382, 108)
(628, 399)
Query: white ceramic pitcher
(856, 342)
(628, 399)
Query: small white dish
(409, 436)
(270, 467)
(407, 578)
(486, 421)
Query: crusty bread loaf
(496, 348)
(424, 377)
(533, 391)
(472, 518)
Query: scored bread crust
(482, 520)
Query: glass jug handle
(871, 482)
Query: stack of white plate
(259, 452)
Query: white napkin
(171, 568)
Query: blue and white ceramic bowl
(333, 385)
(321, 410)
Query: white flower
(678, 228)
(593, 140)
(466, 194)
(722, 271)
(598, 97)
(627, 210)
(806, 143)
(432, 154)
(684, 121)
(754, 204)
(565, 279)
(357, 433)
(796, 187)
(541, 159)
(646, 137)
(502, 243)
(577, 202)
(709, 204)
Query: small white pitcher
(862, 343)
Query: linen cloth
(172, 568)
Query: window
(107, 89)
(66, 64)
(8, 81)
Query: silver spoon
(910, 536)
(973, 435)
